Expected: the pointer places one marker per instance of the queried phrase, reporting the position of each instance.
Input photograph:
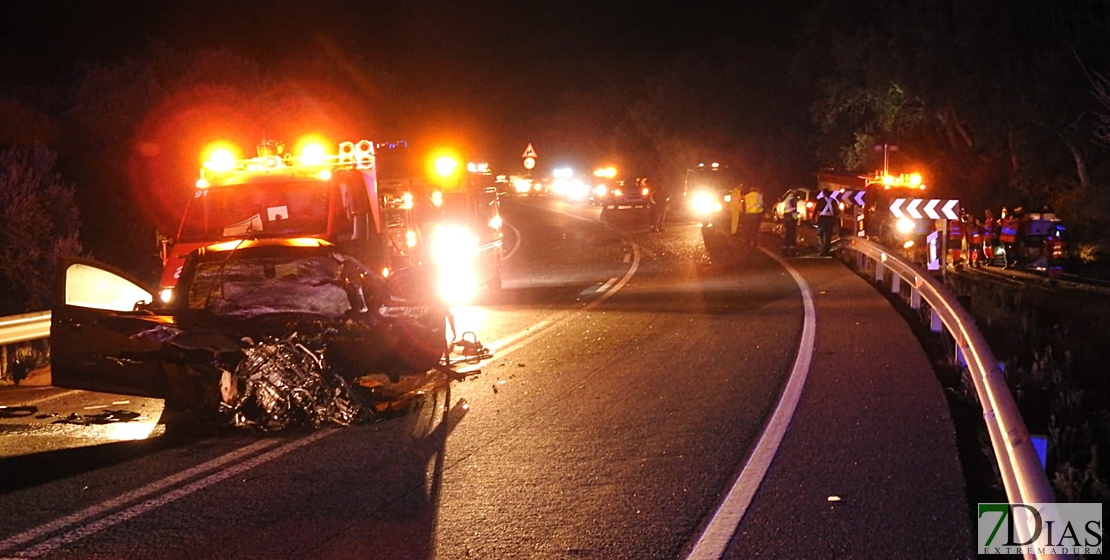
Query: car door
(93, 328)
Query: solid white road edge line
(133, 496)
(714, 540)
(606, 285)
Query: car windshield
(233, 286)
(287, 207)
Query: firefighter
(827, 211)
(956, 241)
(990, 235)
(1007, 236)
(790, 224)
(974, 241)
(753, 215)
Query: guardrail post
(935, 324)
(878, 271)
(915, 298)
(895, 284)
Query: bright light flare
(606, 172)
(446, 166)
(454, 250)
(704, 204)
(220, 160)
(905, 226)
(562, 173)
(313, 154)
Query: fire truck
(463, 227)
(874, 218)
(313, 193)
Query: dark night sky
(504, 58)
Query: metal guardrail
(1022, 474)
(21, 328)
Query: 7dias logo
(1040, 529)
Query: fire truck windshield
(265, 208)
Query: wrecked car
(266, 332)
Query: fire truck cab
(330, 196)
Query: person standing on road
(827, 211)
(790, 224)
(736, 208)
(658, 197)
(753, 215)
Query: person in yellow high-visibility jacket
(753, 215)
(736, 207)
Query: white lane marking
(51, 397)
(81, 532)
(516, 234)
(718, 533)
(606, 285)
(133, 496)
(504, 346)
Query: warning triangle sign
(529, 152)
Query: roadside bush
(39, 221)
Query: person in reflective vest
(736, 208)
(956, 241)
(990, 235)
(827, 210)
(790, 224)
(974, 241)
(1007, 236)
(753, 215)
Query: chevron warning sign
(918, 208)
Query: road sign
(918, 208)
(529, 152)
(849, 196)
(529, 163)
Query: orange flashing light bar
(909, 180)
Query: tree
(39, 222)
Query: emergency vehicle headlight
(453, 245)
(644, 191)
(905, 226)
(600, 191)
(495, 222)
(617, 192)
(166, 295)
(437, 199)
(704, 203)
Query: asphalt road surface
(645, 400)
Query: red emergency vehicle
(314, 193)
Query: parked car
(807, 205)
(616, 193)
